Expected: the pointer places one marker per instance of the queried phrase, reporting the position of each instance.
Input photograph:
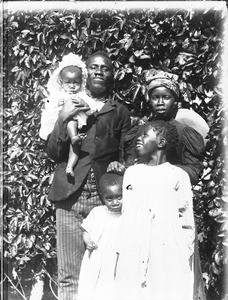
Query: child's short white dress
(54, 104)
(157, 235)
(96, 280)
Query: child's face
(112, 197)
(147, 142)
(162, 102)
(71, 81)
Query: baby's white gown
(157, 235)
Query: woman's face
(162, 102)
(100, 76)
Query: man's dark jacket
(104, 143)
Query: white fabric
(55, 103)
(56, 99)
(70, 59)
(192, 119)
(98, 267)
(155, 247)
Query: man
(105, 132)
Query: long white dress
(98, 267)
(157, 235)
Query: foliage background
(187, 42)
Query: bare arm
(90, 244)
(57, 145)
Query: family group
(122, 191)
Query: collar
(108, 106)
(103, 99)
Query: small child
(100, 234)
(67, 82)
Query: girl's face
(71, 81)
(147, 142)
(162, 102)
(112, 197)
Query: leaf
(25, 32)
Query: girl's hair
(169, 132)
(109, 179)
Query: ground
(10, 293)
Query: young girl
(67, 82)
(100, 231)
(157, 224)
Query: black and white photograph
(114, 150)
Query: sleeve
(125, 128)
(95, 223)
(192, 153)
(129, 145)
(186, 214)
(58, 142)
(89, 222)
(48, 118)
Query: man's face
(112, 196)
(100, 76)
(162, 102)
(147, 142)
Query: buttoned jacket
(105, 132)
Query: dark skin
(99, 80)
(100, 76)
(163, 103)
(149, 150)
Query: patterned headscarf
(156, 78)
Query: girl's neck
(154, 160)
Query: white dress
(157, 235)
(98, 267)
(54, 104)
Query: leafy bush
(189, 43)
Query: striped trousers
(70, 246)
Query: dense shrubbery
(188, 43)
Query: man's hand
(116, 167)
(71, 108)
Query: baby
(67, 83)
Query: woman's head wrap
(157, 78)
(54, 82)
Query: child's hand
(91, 246)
